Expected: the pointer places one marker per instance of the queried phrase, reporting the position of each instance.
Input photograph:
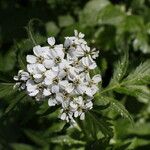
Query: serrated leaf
(6, 89)
(118, 107)
(95, 127)
(120, 69)
(13, 102)
(141, 92)
(140, 76)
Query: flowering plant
(61, 73)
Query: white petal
(89, 105)
(76, 114)
(37, 50)
(67, 42)
(73, 105)
(16, 78)
(81, 89)
(82, 116)
(52, 102)
(69, 88)
(48, 81)
(37, 76)
(97, 78)
(59, 97)
(89, 92)
(81, 35)
(60, 53)
(55, 89)
(34, 93)
(41, 68)
(93, 65)
(63, 84)
(51, 41)
(75, 32)
(48, 63)
(63, 116)
(31, 59)
(80, 100)
(46, 92)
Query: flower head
(61, 74)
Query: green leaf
(19, 146)
(140, 91)
(111, 15)
(65, 21)
(56, 127)
(137, 142)
(141, 42)
(51, 29)
(66, 140)
(14, 101)
(90, 12)
(120, 69)
(117, 106)
(95, 126)
(37, 137)
(7, 61)
(140, 76)
(6, 89)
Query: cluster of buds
(61, 74)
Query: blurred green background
(113, 27)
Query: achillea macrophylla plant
(61, 73)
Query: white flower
(77, 86)
(22, 76)
(61, 74)
(54, 80)
(32, 88)
(37, 71)
(91, 85)
(51, 41)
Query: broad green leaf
(65, 21)
(137, 142)
(111, 15)
(66, 140)
(91, 10)
(129, 22)
(51, 29)
(140, 129)
(56, 127)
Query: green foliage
(120, 118)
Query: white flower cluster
(61, 74)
